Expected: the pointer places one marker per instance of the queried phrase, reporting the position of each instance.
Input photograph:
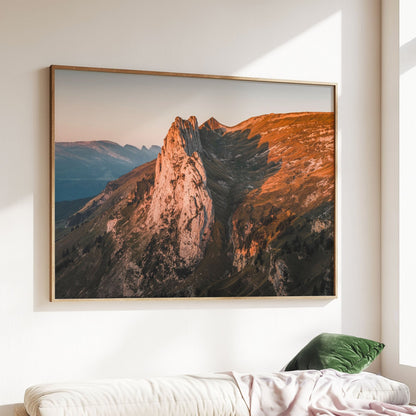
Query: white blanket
(312, 392)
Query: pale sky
(139, 109)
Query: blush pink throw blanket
(311, 392)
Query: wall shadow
(407, 56)
(41, 198)
(180, 304)
(8, 409)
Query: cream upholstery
(209, 395)
(212, 395)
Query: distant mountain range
(246, 210)
(83, 168)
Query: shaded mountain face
(82, 169)
(224, 211)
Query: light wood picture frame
(172, 186)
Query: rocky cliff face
(181, 198)
(286, 222)
(246, 210)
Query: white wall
(390, 189)
(323, 40)
(398, 131)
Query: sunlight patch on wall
(319, 49)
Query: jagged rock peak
(213, 124)
(181, 204)
(183, 134)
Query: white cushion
(213, 395)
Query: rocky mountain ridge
(246, 210)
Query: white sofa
(225, 394)
(210, 395)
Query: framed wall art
(168, 185)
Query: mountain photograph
(175, 186)
(222, 211)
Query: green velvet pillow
(344, 353)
